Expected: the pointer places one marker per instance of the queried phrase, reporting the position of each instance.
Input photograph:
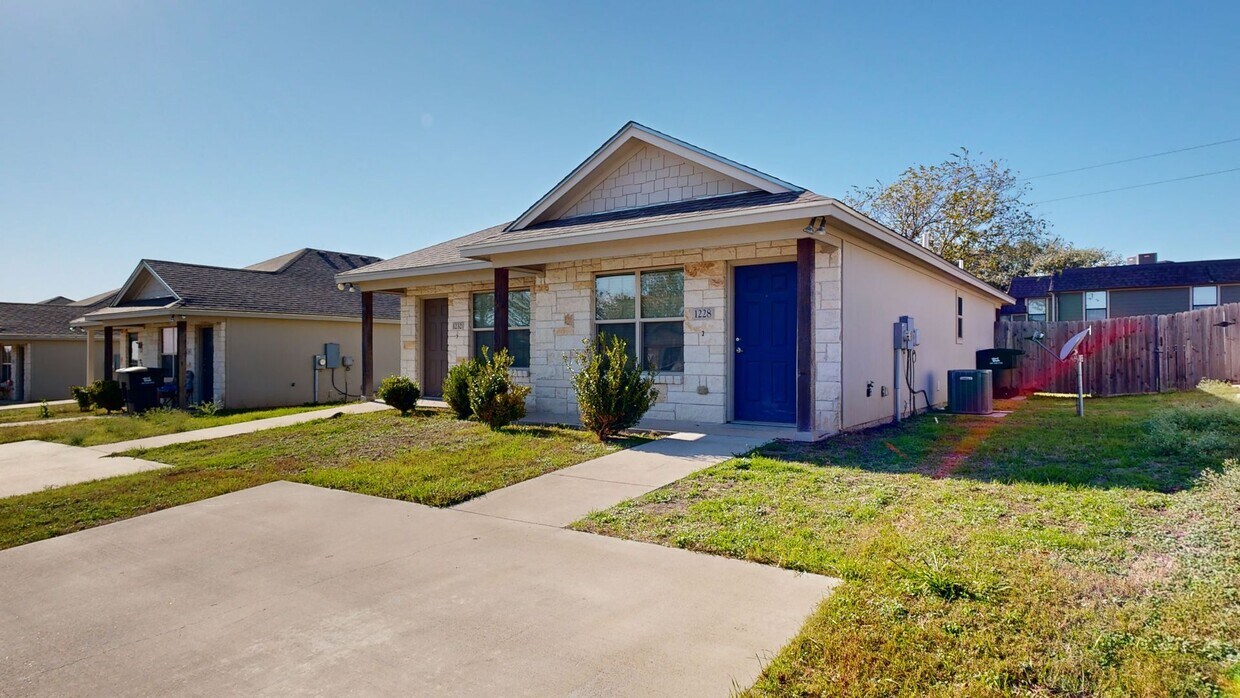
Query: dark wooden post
(501, 309)
(805, 334)
(107, 353)
(368, 345)
(181, 367)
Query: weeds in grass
(1209, 429)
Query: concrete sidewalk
(289, 589)
(564, 496)
(28, 405)
(240, 428)
(30, 466)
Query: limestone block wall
(562, 306)
(654, 176)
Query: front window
(1096, 305)
(168, 353)
(1037, 309)
(6, 366)
(518, 325)
(1205, 297)
(646, 310)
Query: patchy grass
(1052, 556)
(32, 413)
(122, 427)
(430, 458)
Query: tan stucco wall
(878, 288)
(55, 365)
(269, 362)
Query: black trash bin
(140, 388)
(1001, 361)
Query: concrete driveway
(289, 588)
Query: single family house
(1147, 287)
(274, 333)
(754, 300)
(41, 356)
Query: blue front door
(766, 343)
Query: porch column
(107, 353)
(368, 345)
(182, 347)
(501, 309)
(805, 334)
(90, 356)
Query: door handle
(740, 351)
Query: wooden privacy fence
(1128, 355)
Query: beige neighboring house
(246, 337)
(755, 300)
(41, 356)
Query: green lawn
(29, 414)
(112, 428)
(1036, 555)
(429, 458)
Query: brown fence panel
(1125, 356)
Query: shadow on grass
(1160, 443)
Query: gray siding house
(1148, 287)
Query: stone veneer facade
(562, 302)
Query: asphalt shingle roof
(1199, 273)
(301, 283)
(449, 252)
(44, 319)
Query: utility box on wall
(970, 392)
(332, 352)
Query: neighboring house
(754, 299)
(40, 355)
(1148, 287)
(245, 337)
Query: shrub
(107, 394)
(456, 388)
(400, 392)
(612, 391)
(45, 410)
(210, 408)
(493, 397)
(83, 397)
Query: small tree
(456, 388)
(107, 394)
(400, 392)
(613, 393)
(493, 397)
(82, 395)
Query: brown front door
(434, 346)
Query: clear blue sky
(229, 132)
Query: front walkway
(564, 496)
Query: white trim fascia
(768, 214)
(173, 310)
(360, 275)
(134, 275)
(634, 130)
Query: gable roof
(299, 283)
(583, 177)
(44, 320)
(1205, 272)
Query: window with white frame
(647, 310)
(7, 356)
(959, 317)
(1205, 297)
(168, 353)
(518, 325)
(1037, 309)
(1096, 305)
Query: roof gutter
(167, 314)
(359, 275)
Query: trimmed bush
(107, 394)
(400, 392)
(613, 393)
(493, 397)
(83, 397)
(456, 388)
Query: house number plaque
(702, 313)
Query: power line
(1138, 186)
(1139, 157)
